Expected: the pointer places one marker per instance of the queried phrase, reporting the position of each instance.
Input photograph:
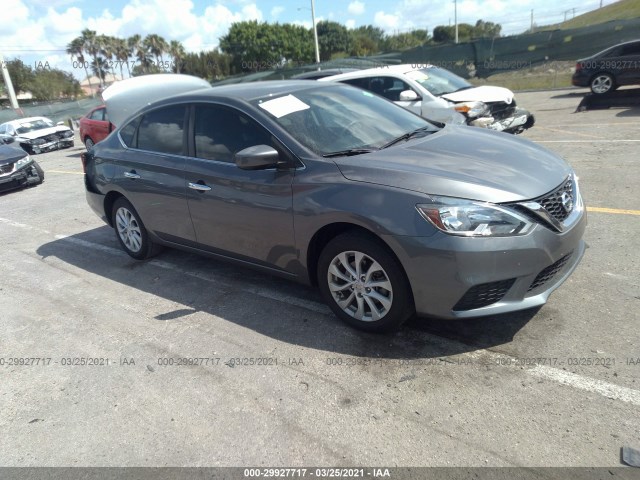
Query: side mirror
(60, 123)
(409, 96)
(258, 157)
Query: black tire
(39, 171)
(602, 83)
(88, 143)
(398, 303)
(131, 232)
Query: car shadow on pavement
(624, 98)
(278, 308)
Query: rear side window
(220, 132)
(162, 130)
(633, 49)
(97, 114)
(127, 133)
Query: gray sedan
(330, 185)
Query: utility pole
(531, 29)
(315, 31)
(8, 84)
(455, 15)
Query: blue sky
(39, 30)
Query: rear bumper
(458, 277)
(96, 202)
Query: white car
(38, 134)
(437, 94)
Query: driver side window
(220, 132)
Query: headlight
(37, 141)
(472, 109)
(458, 216)
(23, 161)
(67, 134)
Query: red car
(95, 126)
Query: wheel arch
(109, 199)
(330, 231)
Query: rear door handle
(131, 174)
(199, 186)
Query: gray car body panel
(268, 219)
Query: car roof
(252, 91)
(381, 70)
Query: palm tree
(75, 48)
(176, 50)
(91, 46)
(156, 46)
(107, 49)
(140, 52)
(122, 53)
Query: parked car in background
(439, 95)
(331, 185)
(95, 126)
(607, 70)
(17, 168)
(316, 74)
(38, 134)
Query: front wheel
(130, 231)
(602, 83)
(364, 284)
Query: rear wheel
(364, 284)
(88, 143)
(130, 231)
(602, 83)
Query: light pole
(8, 84)
(315, 31)
(455, 16)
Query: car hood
(43, 132)
(484, 93)
(126, 97)
(463, 162)
(10, 154)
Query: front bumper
(460, 277)
(23, 177)
(520, 120)
(49, 146)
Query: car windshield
(39, 124)
(341, 118)
(438, 81)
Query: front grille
(51, 138)
(548, 273)
(501, 110)
(484, 294)
(7, 168)
(552, 202)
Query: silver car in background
(326, 184)
(440, 95)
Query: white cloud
(276, 11)
(350, 24)
(356, 8)
(386, 21)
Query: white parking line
(605, 389)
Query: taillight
(578, 66)
(83, 157)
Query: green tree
(334, 39)
(156, 46)
(21, 75)
(122, 52)
(486, 29)
(53, 84)
(177, 52)
(143, 58)
(91, 45)
(75, 48)
(405, 41)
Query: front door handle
(199, 186)
(131, 174)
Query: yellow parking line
(619, 211)
(64, 171)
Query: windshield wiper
(407, 136)
(348, 153)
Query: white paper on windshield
(417, 75)
(279, 107)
